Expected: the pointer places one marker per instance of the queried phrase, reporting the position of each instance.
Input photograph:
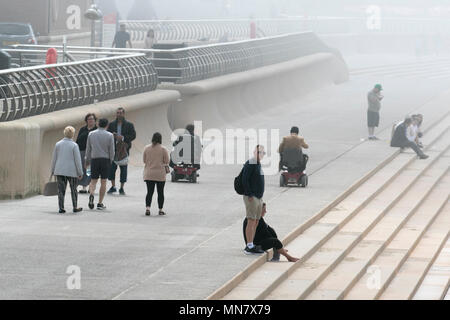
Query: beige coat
(292, 142)
(156, 158)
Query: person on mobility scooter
(185, 157)
(292, 160)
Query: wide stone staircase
(386, 239)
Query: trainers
(76, 210)
(254, 250)
(112, 190)
(62, 211)
(424, 156)
(121, 191)
(101, 206)
(91, 202)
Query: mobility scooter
(293, 165)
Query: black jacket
(82, 137)
(399, 138)
(128, 131)
(253, 180)
(263, 231)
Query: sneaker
(424, 156)
(82, 191)
(91, 202)
(375, 138)
(62, 211)
(254, 250)
(101, 206)
(112, 190)
(76, 210)
(122, 192)
(147, 212)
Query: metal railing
(197, 63)
(210, 30)
(213, 30)
(36, 90)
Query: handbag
(121, 156)
(51, 188)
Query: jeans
(123, 173)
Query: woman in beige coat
(156, 160)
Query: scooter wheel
(282, 181)
(304, 181)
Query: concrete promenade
(198, 246)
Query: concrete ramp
(220, 101)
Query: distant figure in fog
(150, 39)
(400, 138)
(374, 98)
(121, 38)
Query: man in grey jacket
(374, 98)
(99, 155)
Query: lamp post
(93, 14)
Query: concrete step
(405, 240)
(259, 279)
(374, 226)
(411, 274)
(437, 281)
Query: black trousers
(151, 189)
(270, 243)
(62, 186)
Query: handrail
(36, 90)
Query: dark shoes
(77, 210)
(121, 192)
(91, 202)
(62, 211)
(82, 191)
(147, 212)
(254, 250)
(112, 190)
(101, 206)
(424, 156)
(373, 138)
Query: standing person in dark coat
(374, 98)
(266, 237)
(400, 138)
(122, 131)
(253, 182)
(91, 125)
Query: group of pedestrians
(100, 149)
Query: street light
(93, 14)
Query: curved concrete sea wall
(27, 144)
(221, 100)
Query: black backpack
(238, 185)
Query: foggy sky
(223, 9)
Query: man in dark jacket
(123, 131)
(400, 139)
(253, 182)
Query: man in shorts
(253, 182)
(99, 155)
(374, 98)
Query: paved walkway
(198, 246)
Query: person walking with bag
(156, 160)
(123, 132)
(91, 121)
(68, 168)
